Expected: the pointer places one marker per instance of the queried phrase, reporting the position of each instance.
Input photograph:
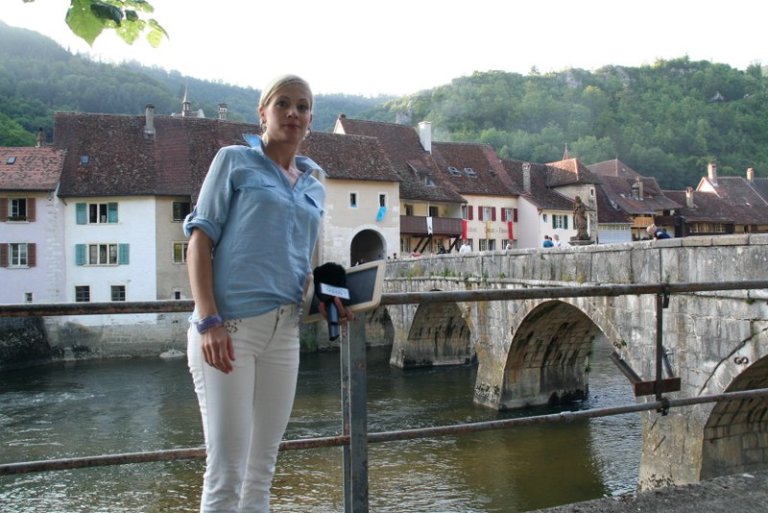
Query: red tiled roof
(122, 161)
(619, 190)
(708, 207)
(540, 194)
(349, 157)
(487, 175)
(30, 168)
(569, 172)
(613, 167)
(420, 176)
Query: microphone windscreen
(329, 273)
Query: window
(408, 210)
(485, 213)
(453, 171)
(470, 172)
(117, 292)
(82, 293)
(96, 213)
(27, 297)
(18, 210)
(101, 254)
(433, 212)
(180, 252)
(560, 221)
(509, 214)
(10, 160)
(181, 209)
(176, 294)
(353, 200)
(544, 217)
(382, 200)
(19, 255)
(482, 244)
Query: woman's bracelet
(212, 321)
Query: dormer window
(470, 172)
(428, 181)
(453, 171)
(10, 161)
(84, 159)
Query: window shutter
(111, 212)
(480, 213)
(3, 209)
(554, 221)
(30, 209)
(565, 222)
(122, 254)
(80, 253)
(81, 214)
(3, 255)
(493, 213)
(514, 215)
(471, 212)
(503, 214)
(31, 255)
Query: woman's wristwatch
(212, 321)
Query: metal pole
(659, 344)
(356, 463)
(344, 361)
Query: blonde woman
(252, 234)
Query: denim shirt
(263, 230)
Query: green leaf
(82, 22)
(105, 11)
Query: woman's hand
(218, 350)
(344, 314)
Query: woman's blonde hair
(279, 82)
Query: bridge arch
(440, 334)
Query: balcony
(417, 225)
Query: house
(490, 213)
(639, 198)
(429, 210)
(573, 180)
(701, 213)
(127, 183)
(362, 217)
(541, 210)
(32, 258)
(749, 208)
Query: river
(99, 407)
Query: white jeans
(245, 412)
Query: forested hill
(666, 120)
(39, 77)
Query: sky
(400, 47)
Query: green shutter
(111, 212)
(81, 209)
(80, 251)
(565, 222)
(122, 254)
(554, 221)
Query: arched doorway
(367, 246)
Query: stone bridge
(536, 351)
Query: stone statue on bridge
(580, 220)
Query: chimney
(712, 172)
(638, 191)
(527, 177)
(223, 111)
(751, 174)
(689, 197)
(149, 124)
(41, 137)
(425, 135)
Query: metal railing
(354, 437)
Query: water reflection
(140, 405)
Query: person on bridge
(465, 247)
(547, 243)
(656, 232)
(243, 340)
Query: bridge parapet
(536, 350)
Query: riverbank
(745, 493)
